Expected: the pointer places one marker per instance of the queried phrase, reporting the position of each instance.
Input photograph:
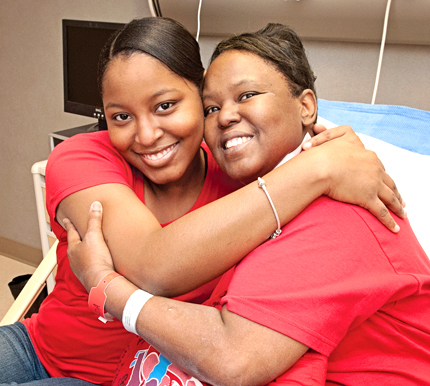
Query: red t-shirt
(339, 282)
(69, 340)
(141, 364)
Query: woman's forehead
(235, 68)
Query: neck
(174, 199)
(294, 152)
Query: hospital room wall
(31, 100)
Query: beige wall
(31, 96)
(347, 71)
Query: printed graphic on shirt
(150, 368)
(142, 365)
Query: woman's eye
(246, 96)
(211, 110)
(121, 117)
(164, 106)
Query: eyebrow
(241, 82)
(164, 91)
(156, 95)
(111, 104)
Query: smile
(236, 141)
(159, 155)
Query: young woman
(334, 281)
(151, 168)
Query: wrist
(93, 278)
(132, 309)
(97, 298)
(321, 174)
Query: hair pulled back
(164, 39)
(279, 45)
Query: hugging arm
(229, 228)
(199, 339)
(388, 196)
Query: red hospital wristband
(97, 298)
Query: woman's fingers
(380, 211)
(319, 128)
(358, 176)
(95, 220)
(89, 256)
(325, 135)
(392, 197)
(72, 234)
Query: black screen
(82, 44)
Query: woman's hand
(356, 175)
(90, 258)
(323, 135)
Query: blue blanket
(401, 126)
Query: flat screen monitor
(82, 44)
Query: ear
(309, 108)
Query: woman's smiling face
(252, 120)
(154, 116)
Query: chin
(247, 178)
(242, 176)
(243, 170)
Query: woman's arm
(217, 347)
(199, 339)
(205, 243)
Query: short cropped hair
(279, 45)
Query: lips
(233, 142)
(159, 155)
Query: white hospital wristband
(132, 309)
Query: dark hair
(279, 45)
(164, 39)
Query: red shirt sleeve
(80, 162)
(309, 370)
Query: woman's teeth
(161, 154)
(236, 141)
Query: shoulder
(82, 161)
(325, 232)
(84, 142)
(336, 215)
(329, 215)
(329, 228)
(354, 220)
(81, 151)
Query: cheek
(210, 135)
(192, 123)
(195, 129)
(121, 139)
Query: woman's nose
(228, 115)
(147, 132)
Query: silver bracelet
(132, 309)
(262, 185)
